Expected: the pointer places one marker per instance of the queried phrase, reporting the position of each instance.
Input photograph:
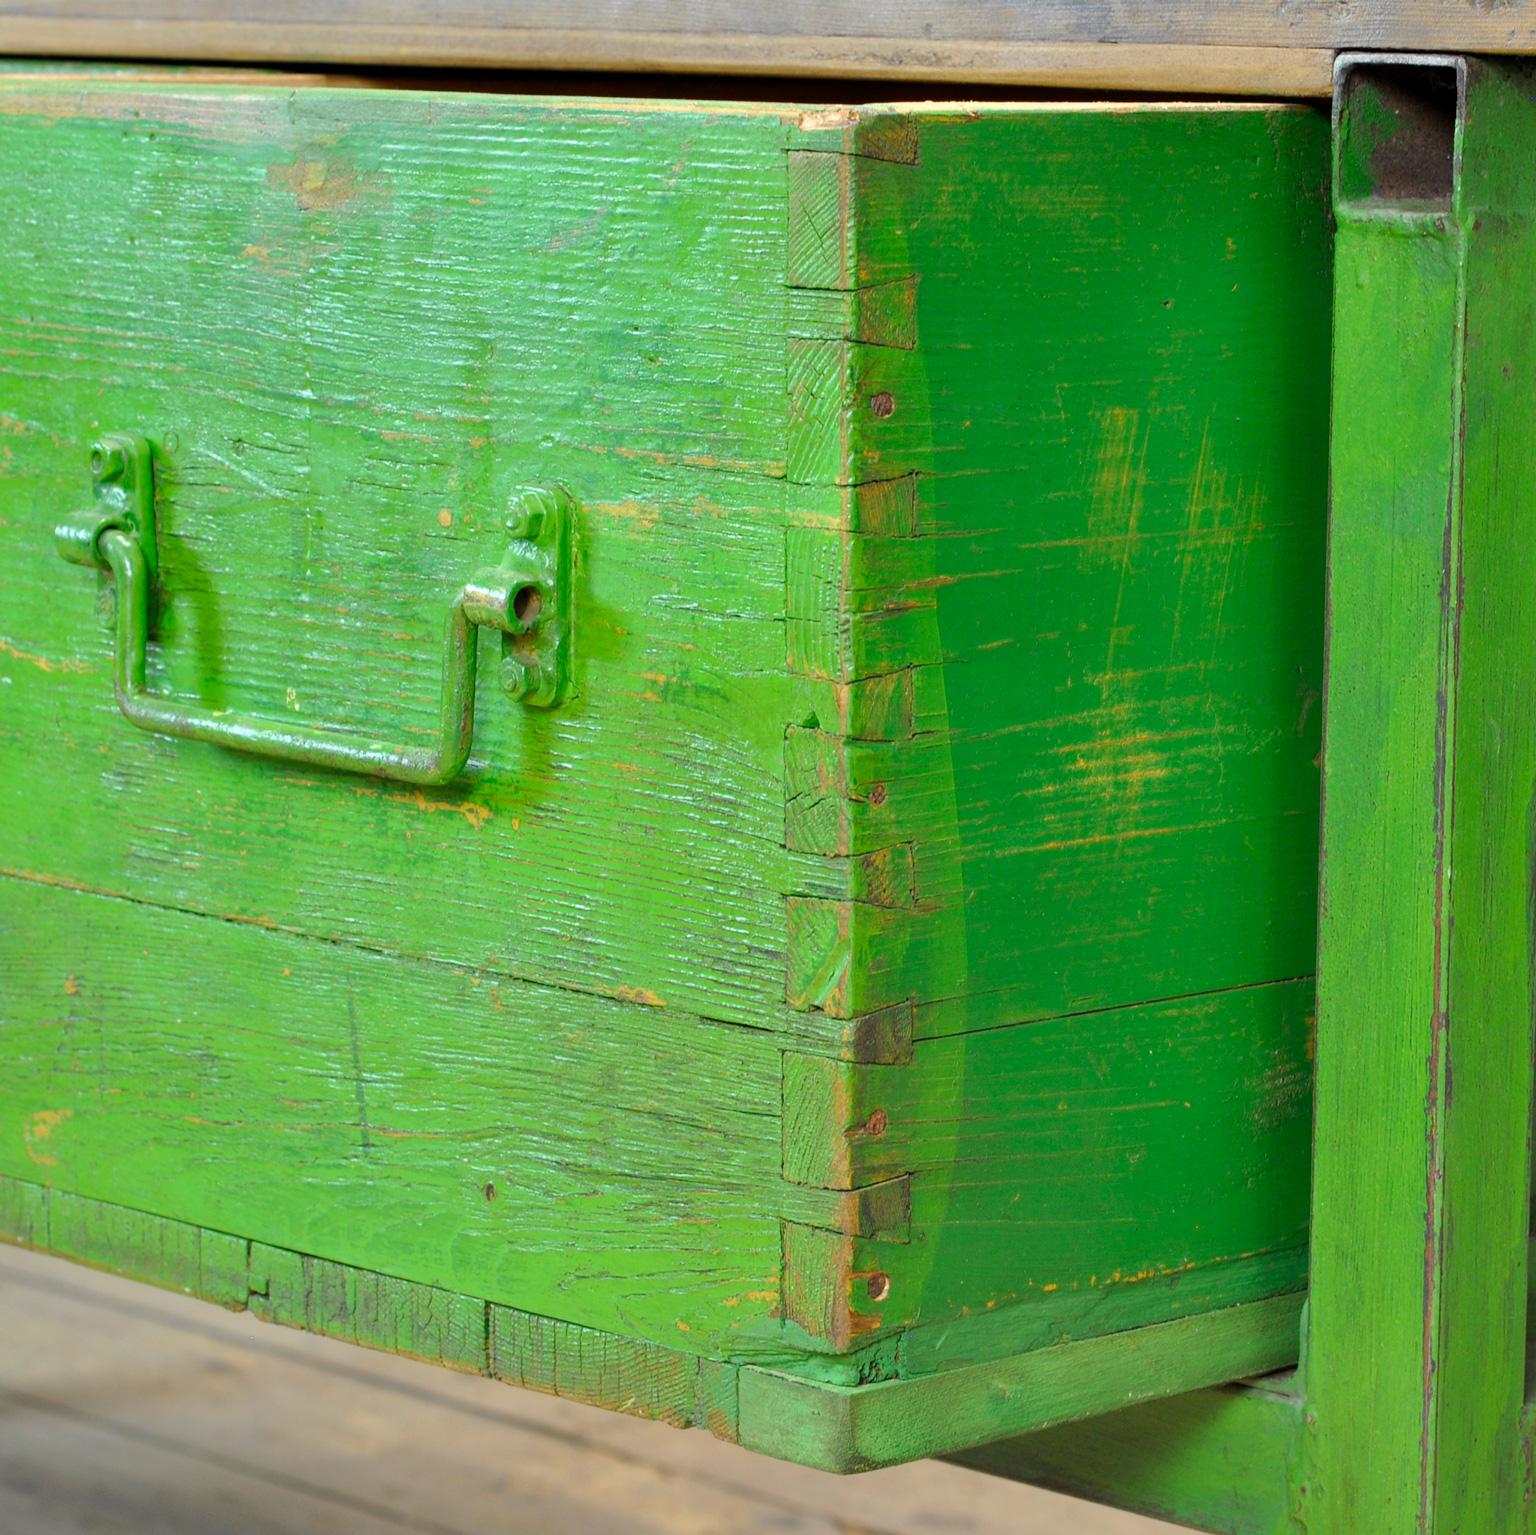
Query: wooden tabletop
(1252, 47)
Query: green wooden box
(856, 994)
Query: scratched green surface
(1124, 329)
(354, 324)
(1419, 1304)
(1108, 606)
(330, 1013)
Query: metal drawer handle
(526, 597)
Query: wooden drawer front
(354, 325)
(893, 954)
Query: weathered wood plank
(1012, 1136)
(1038, 794)
(340, 426)
(1250, 46)
(468, 1133)
(358, 1305)
(801, 1418)
(398, 1316)
(1108, 597)
(1309, 24)
(227, 1415)
(512, 1141)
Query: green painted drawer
(870, 1012)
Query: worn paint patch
(41, 662)
(325, 185)
(641, 994)
(39, 1129)
(1118, 484)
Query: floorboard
(126, 1411)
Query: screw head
(520, 677)
(526, 516)
(108, 461)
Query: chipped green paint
(1057, 764)
(940, 741)
(1120, 493)
(1410, 1415)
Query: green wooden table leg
(1415, 1352)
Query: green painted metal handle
(526, 598)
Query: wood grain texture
(721, 65)
(390, 477)
(477, 1135)
(1148, 736)
(835, 1428)
(372, 1309)
(285, 1433)
(1251, 46)
(841, 395)
(1415, 1375)
(1007, 1137)
(1085, 542)
(1374, 23)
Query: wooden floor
(124, 1411)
